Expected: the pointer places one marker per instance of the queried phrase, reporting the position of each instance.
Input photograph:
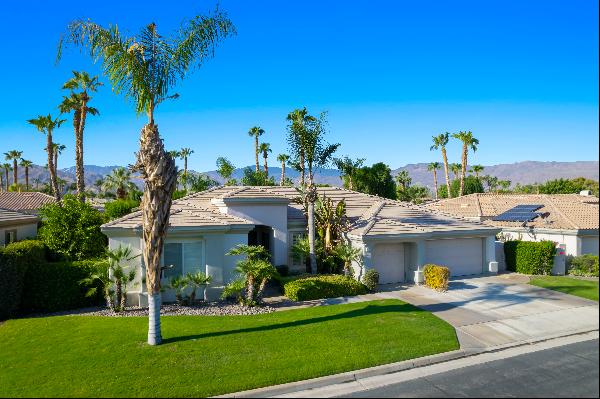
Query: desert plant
(179, 284)
(255, 270)
(348, 254)
(198, 280)
(371, 279)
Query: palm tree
(477, 169)
(119, 181)
(14, 156)
(146, 68)
(455, 168)
(197, 280)
(283, 158)
(26, 164)
(433, 167)
(184, 153)
(36, 181)
(57, 149)
(348, 254)
(348, 168)
(46, 125)
(297, 130)
(7, 168)
(468, 142)
(404, 180)
(225, 169)
(265, 149)
(256, 132)
(440, 142)
(78, 103)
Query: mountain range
(525, 172)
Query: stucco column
(490, 254)
(418, 277)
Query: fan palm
(256, 132)
(468, 141)
(433, 167)
(184, 153)
(78, 103)
(348, 254)
(477, 169)
(46, 125)
(198, 280)
(119, 181)
(26, 164)
(440, 142)
(146, 68)
(455, 168)
(348, 168)
(7, 168)
(283, 158)
(265, 149)
(14, 156)
(57, 149)
(297, 130)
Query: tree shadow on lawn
(367, 311)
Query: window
(10, 236)
(184, 257)
(294, 264)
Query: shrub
(15, 259)
(436, 277)
(72, 229)
(529, 257)
(584, 265)
(119, 208)
(283, 270)
(371, 279)
(322, 286)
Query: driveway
(494, 311)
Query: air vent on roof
(585, 193)
(520, 213)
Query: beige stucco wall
(24, 231)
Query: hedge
(15, 259)
(436, 277)
(118, 208)
(322, 286)
(371, 279)
(529, 257)
(583, 265)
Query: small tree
(255, 270)
(348, 254)
(196, 281)
(225, 169)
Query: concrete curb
(353, 376)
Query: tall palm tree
(14, 156)
(265, 149)
(57, 149)
(46, 125)
(455, 169)
(477, 169)
(37, 181)
(440, 142)
(119, 180)
(26, 164)
(404, 179)
(283, 158)
(433, 167)
(146, 68)
(184, 153)
(78, 103)
(468, 141)
(348, 168)
(7, 168)
(256, 132)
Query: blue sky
(522, 75)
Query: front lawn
(583, 288)
(209, 355)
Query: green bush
(15, 259)
(283, 270)
(436, 277)
(584, 265)
(371, 279)
(119, 208)
(72, 229)
(55, 286)
(529, 257)
(322, 286)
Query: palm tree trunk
(160, 176)
(185, 173)
(266, 167)
(52, 167)
(311, 226)
(435, 184)
(463, 171)
(27, 178)
(249, 290)
(7, 180)
(1, 183)
(79, 118)
(15, 177)
(282, 173)
(256, 152)
(445, 158)
(302, 168)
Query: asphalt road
(565, 371)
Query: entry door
(388, 260)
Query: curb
(354, 376)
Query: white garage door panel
(388, 260)
(589, 245)
(464, 256)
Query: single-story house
(16, 226)
(396, 238)
(570, 220)
(25, 202)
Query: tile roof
(25, 201)
(566, 211)
(9, 217)
(368, 215)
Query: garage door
(388, 260)
(463, 256)
(589, 245)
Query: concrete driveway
(495, 311)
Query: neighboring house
(25, 202)
(567, 219)
(396, 238)
(16, 226)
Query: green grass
(583, 288)
(204, 355)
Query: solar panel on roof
(520, 213)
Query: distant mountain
(525, 172)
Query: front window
(10, 236)
(182, 258)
